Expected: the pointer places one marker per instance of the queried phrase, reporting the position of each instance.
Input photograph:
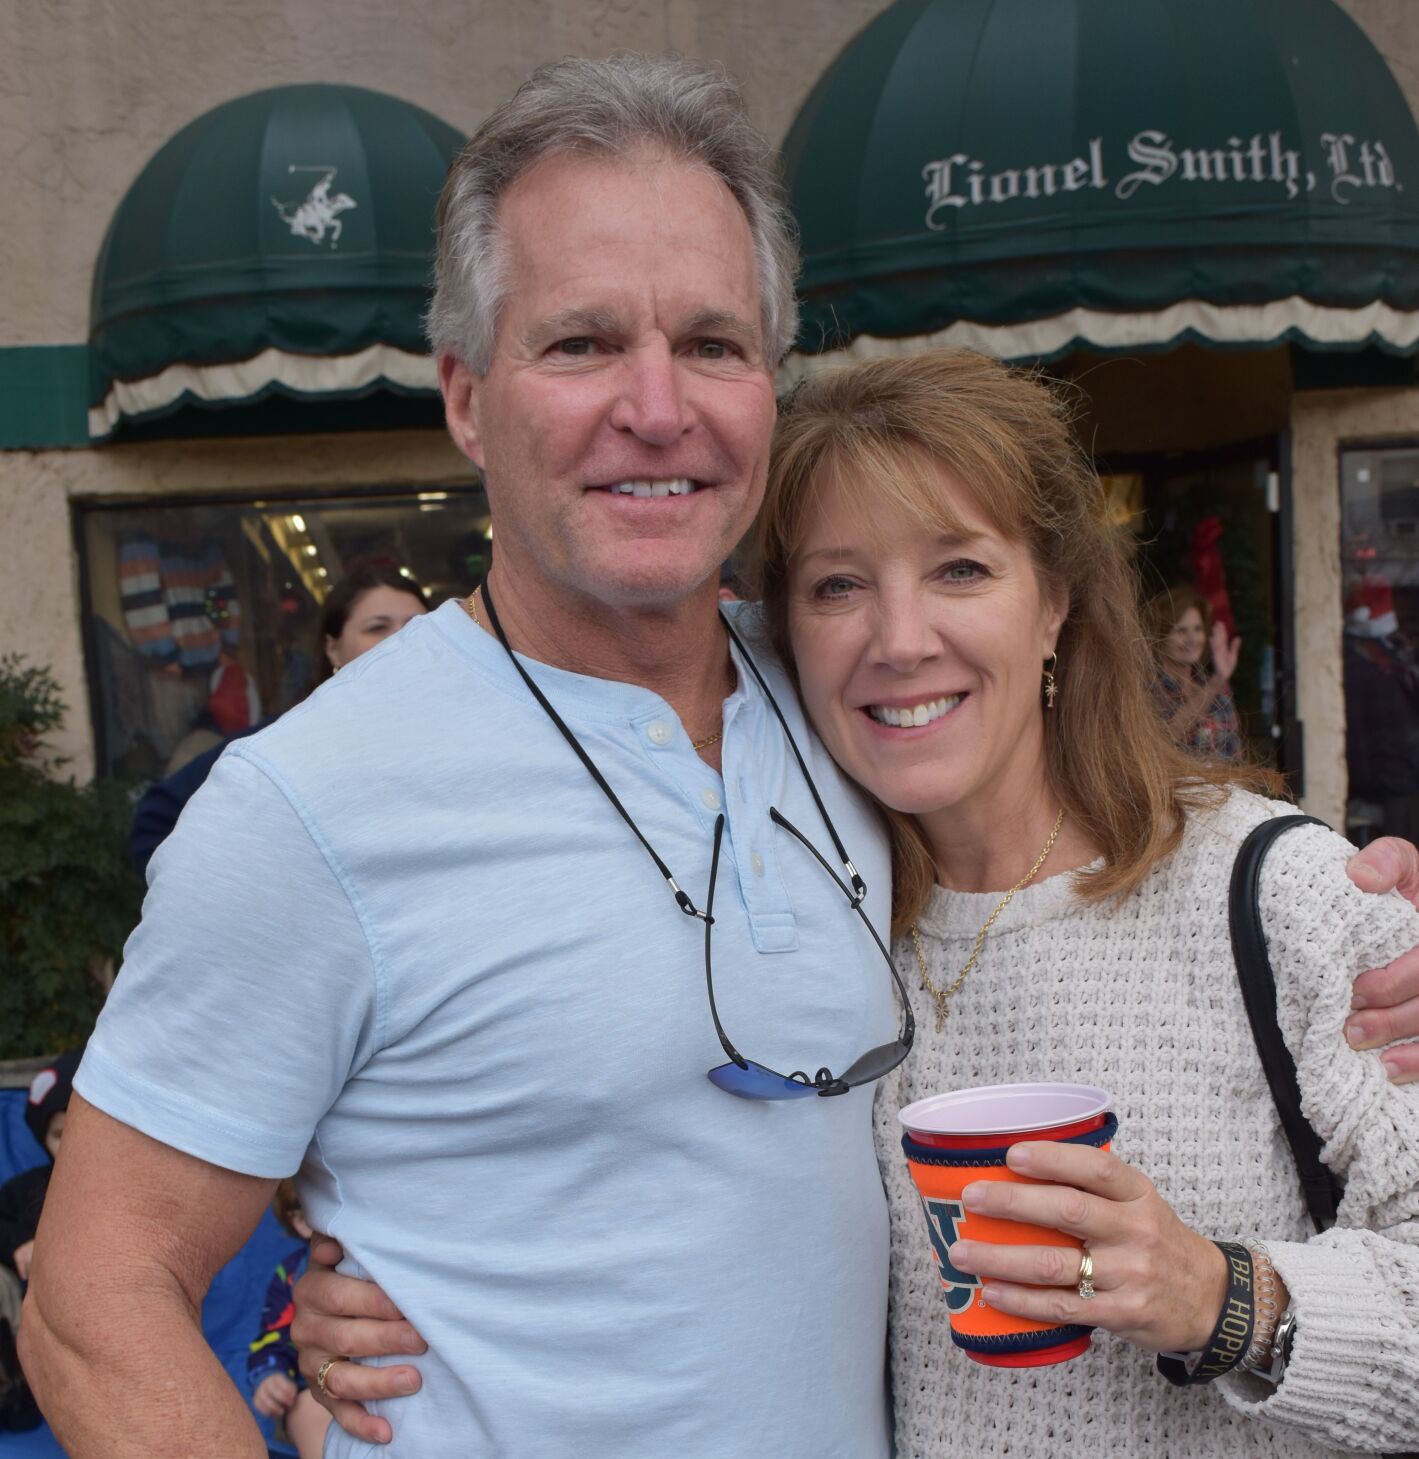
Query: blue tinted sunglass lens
(756, 1082)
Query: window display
(202, 616)
(1379, 493)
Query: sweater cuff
(1340, 1383)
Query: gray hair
(609, 109)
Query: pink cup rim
(1005, 1109)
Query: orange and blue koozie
(942, 1164)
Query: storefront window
(202, 616)
(1379, 492)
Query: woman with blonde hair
(935, 558)
(1196, 660)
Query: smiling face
(920, 652)
(1187, 641)
(623, 424)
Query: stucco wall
(1321, 423)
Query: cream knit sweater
(1143, 999)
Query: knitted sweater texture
(1142, 998)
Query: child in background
(278, 1390)
(21, 1200)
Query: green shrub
(69, 896)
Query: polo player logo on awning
(319, 212)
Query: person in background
(1381, 713)
(22, 1198)
(1195, 704)
(277, 1388)
(372, 600)
(21, 1201)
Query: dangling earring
(1051, 688)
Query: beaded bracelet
(1231, 1339)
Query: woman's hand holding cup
(1157, 1282)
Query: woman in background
(1196, 704)
(372, 600)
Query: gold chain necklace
(941, 996)
(470, 606)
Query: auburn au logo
(943, 1223)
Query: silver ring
(323, 1372)
(1086, 1275)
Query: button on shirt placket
(664, 734)
(743, 800)
(747, 797)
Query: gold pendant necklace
(942, 996)
(470, 606)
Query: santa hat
(49, 1092)
(1369, 609)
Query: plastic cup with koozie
(954, 1139)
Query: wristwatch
(1281, 1343)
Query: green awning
(281, 242)
(1030, 176)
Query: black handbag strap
(1321, 1187)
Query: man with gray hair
(441, 937)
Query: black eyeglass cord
(682, 898)
(728, 1047)
(854, 900)
(858, 885)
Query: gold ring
(323, 1372)
(1086, 1275)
